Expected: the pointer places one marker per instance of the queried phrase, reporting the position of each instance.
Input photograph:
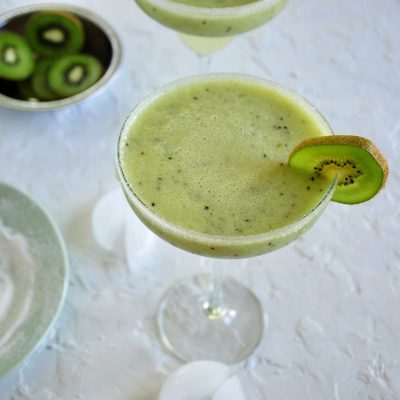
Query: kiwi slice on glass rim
(55, 33)
(16, 58)
(72, 74)
(360, 166)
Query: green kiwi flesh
(359, 165)
(39, 81)
(16, 58)
(72, 74)
(56, 33)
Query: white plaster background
(333, 296)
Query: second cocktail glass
(202, 162)
(207, 26)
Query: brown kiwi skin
(71, 16)
(353, 140)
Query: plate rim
(63, 294)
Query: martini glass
(206, 317)
(207, 26)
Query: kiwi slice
(16, 58)
(55, 33)
(360, 166)
(40, 81)
(72, 74)
(26, 91)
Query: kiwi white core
(54, 35)
(10, 55)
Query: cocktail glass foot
(204, 318)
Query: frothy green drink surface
(215, 3)
(211, 157)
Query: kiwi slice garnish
(356, 161)
(16, 58)
(72, 74)
(40, 81)
(55, 33)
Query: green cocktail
(209, 160)
(207, 25)
(203, 163)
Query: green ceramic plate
(47, 282)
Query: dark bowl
(101, 41)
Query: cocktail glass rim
(195, 11)
(204, 238)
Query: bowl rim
(82, 12)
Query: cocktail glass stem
(204, 62)
(214, 307)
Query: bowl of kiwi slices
(54, 55)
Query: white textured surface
(333, 296)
